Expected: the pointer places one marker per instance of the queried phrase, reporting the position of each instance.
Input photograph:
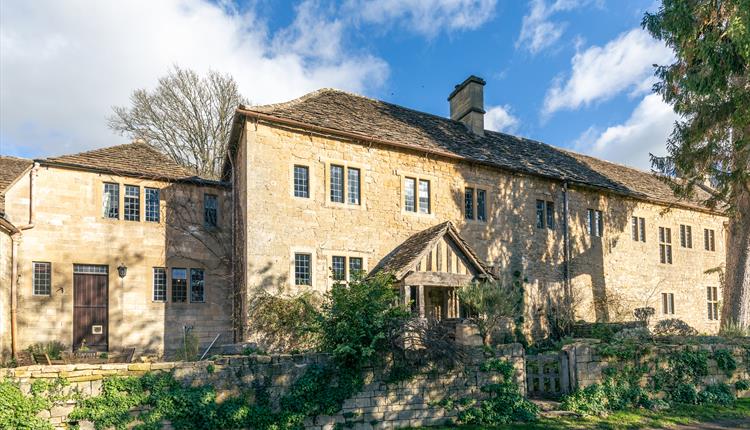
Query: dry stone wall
(587, 364)
(379, 405)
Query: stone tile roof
(406, 256)
(135, 159)
(345, 112)
(10, 169)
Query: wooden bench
(126, 356)
(43, 358)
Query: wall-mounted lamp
(122, 270)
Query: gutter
(566, 240)
(326, 131)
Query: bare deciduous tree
(186, 116)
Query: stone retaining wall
(586, 364)
(378, 405)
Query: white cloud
(646, 131)
(426, 17)
(601, 72)
(538, 31)
(64, 64)
(500, 118)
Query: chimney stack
(467, 104)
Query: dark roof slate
(407, 255)
(10, 169)
(346, 112)
(131, 159)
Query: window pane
(152, 204)
(643, 229)
(210, 210)
(111, 200)
(540, 214)
(338, 268)
(481, 205)
(355, 267)
(196, 286)
(353, 185)
(179, 285)
(591, 222)
(634, 228)
(409, 195)
(160, 284)
(301, 181)
(337, 184)
(424, 196)
(550, 215)
(132, 210)
(469, 203)
(711, 236)
(90, 268)
(42, 278)
(599, 224)
(668, 235)
(689, 236)
(302, 269)
(682, 236)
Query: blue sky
(572, 73)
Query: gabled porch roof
(436, 256)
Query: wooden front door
(90, 307)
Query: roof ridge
(13, 157)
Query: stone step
(546, 405)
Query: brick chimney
(467, 104)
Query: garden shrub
(619, 390)
(674, 327)
(505, 403)
(716, 394)
(285, 323)
(742, 385)
(725, 361)
(53, 349)
(19, 411)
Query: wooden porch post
(407, 294)
(420, 293)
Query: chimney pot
(467, 104)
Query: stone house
(333, 183)
(112, 248)
(120, 247)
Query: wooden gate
(547, 375)
(90, 307)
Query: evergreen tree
(709, 87)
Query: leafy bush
(716, 394)
(734, 330)
(285, 323)
(742, 385)
(493, 303)
(644, 314)
(674, 327)
(18, 411)
(588, 401)
(684, 393)
(505, 403)
(637, 334)
(53, 349)
(619, 390)
(725, 361)
(358, 320)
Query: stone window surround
(168, 272)
(329, 254)
(121, 201)
(403, 174)
(313, 262)
(363, 169)
(311, 181)
(640, 230)
(691, 236)
(476, 186)
(33, 278)
(712, 304)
